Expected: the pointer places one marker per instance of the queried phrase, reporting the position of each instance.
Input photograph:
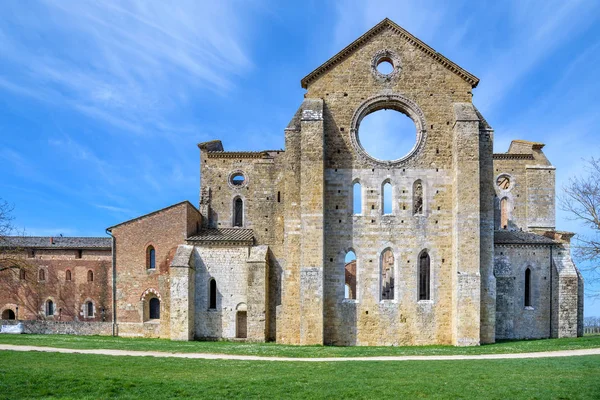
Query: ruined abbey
(468, 252)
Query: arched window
(387, 275)
(386, 201)
(42, 275)
(418, 197)
(238, 212)
(90, 276)
(527, 287)
(424, 276)
(8, 314)
(68, 275)
(89, 309)
(150, 258)
(154, 305)
(350, 276)
(212, 294)
(22, 274)
(357, 198)
(49, 308)
(504, 213)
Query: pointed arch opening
(504, 213)
(212, 294)
(68, 275)
(387, 274)
(238, 212)
(527, 294)
(150, 257)
(424, 276)
(356, 198)
(386, 200)
(350, 275)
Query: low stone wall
(63, 328)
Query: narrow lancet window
(212, 295)
(387, 198)
(424, 276)
(418, 197)
(527, 287)
(150, 258)
(504, 213)
(356, 198)
(238, 212)
(387, 275)
(350, 276)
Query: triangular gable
(388, 24)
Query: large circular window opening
(387, 135)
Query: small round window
(385, 67)
(237, 179)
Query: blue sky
(102, 103)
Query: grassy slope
(37, 375)
(272, 349)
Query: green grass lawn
(41, 375)
(273, 349)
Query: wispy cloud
(128, 64)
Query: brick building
(467, 253)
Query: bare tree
(581, 199)
(10, 256)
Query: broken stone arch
(396, 102)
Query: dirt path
(207, 356)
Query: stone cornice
(380, 27)
(508, 156)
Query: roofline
(109, 229)
(387, 23)
(56, 246)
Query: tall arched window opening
(387, 275)
(90, 276)
(68, 275)
(527, 287)
(350, 276)
(418, 198)
(504, 213)
(424, 276)
(150, 258)
(154, 305)
(42, 275)
(386, 201)
(22, 274)
(212, 294)
(357, 198)
(49, 308)
(238, 212)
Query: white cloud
(127, 64)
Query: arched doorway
(8, 314)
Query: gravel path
(207, 356)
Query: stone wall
(514, 320)
(63, 328)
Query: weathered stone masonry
(468, 254)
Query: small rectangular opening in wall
(31, 254)
(79, 254)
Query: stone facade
(468, 254)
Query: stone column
(486, 204)
(182, 294)
(312, 222)
(466, 226)
(257, 293)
